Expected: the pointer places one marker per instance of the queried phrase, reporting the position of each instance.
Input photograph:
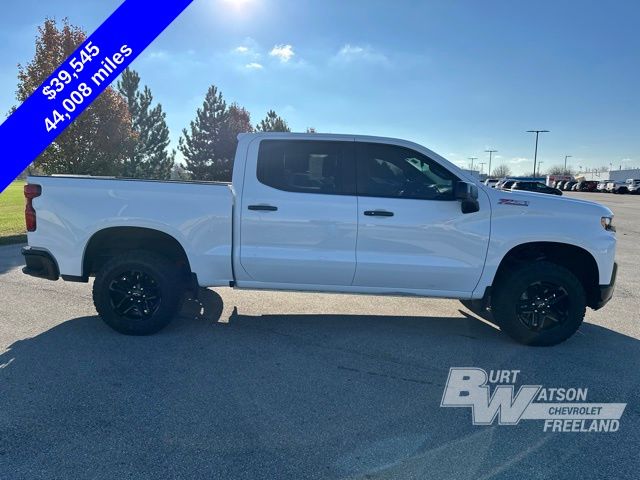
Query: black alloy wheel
(135, 295)
(139, 292)
(543, 306)
(538, 303)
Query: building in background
(614, 175)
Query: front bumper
(40, 263)
(606, 291)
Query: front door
(412, 234)
(299, 213)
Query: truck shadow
(10, 257)
(297, 396)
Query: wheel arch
(110, 241)
(576, 259)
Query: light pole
(565, 163)
(482, 164)
(490, 152)
(535, 154)
(472, 159)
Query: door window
(307, 166)
(398, 172)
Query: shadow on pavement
(298, 396)
(10, 257)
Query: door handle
(378, 213)
(264, 208)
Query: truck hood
(544, 201)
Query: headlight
(607, 223)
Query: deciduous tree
(238, 121)
(501, 171)
(95, 143)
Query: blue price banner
(80, 79)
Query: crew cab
(326, 213)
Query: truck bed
(71, 209)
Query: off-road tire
(165, 278)
(507, 297)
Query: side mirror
(467, 193)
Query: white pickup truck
(326, 213)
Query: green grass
(12, 229)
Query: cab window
(398, 172)
(307, 166)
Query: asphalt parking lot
(290, 386)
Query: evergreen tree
(273, 123)
(206, 157)
(147, 154)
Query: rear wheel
(138, 293)
(539, 304)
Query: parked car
(537, 187)
(602, 186)
(330, 213)
(507, 185)
(633, 186)
(587, 186)
(567, 186)
(491, 182)
(560, 184)
(501, 182)
(617, 187)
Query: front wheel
(138, 293)
(539, 304)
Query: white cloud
(282, 52)
(519, 160)
(157, 55)
(353, 53)
(254, 66)
(248, 48)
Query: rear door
(412, 234)
(298, 219)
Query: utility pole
(482, 164)
(565, 162)
(490, 152)
(535, 154)
(472, 159)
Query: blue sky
(456, 76)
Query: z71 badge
(511, 201)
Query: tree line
(124, 133)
